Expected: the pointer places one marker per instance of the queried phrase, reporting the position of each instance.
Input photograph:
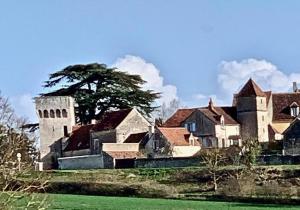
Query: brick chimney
(295, 87)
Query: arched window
(52, 113)
(58, 114)
(64, 113)
(46, 114)
(40, 114)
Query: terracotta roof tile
(281, 105)
(111, 120)
(178, 117)
(229, 114)
(251, 89)
(177, 136)
(135, 138)
(80, 138)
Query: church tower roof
(251, 89)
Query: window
(294, 111)
(263, 118)
(261, 101)
(66, 134)
(191, 127)
(40, 114)
(46, 114)
(58, 114)
(52, 113)
(64, 113)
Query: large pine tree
(97, 89)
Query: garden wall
(81, 162)
(188, 161)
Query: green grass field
(78, 202)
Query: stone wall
(166, 162)
(204, 126)
(77, 153)
(193, 161)
(81, 162)
(133, 123)
(121, 147)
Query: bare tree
(212, 158)
(17, 156)
(166, 110)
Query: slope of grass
(78, 202)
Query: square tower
(252, 114)
(56, 118)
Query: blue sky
(192, 50)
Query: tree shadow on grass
(262, 206)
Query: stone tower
(56, 118)
(252, 112)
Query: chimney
(151, 130)
(211, 106)
(295, 88)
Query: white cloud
(137, 65)
(24, 107)
(232, 75)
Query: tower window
(58, 113)
(46, 114)
(66, 134)
(40, 114)
(52, 113)
(64, 113)
(263, 118)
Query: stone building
(171, 142)
(118, 131)
(56, 118)
(214, 126)
(254, 113)
(291, 141)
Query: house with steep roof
(215, 126)
(291, 141)
(254, 113)
(117, 131)
(171, 142)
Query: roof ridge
(251, 89)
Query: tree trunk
(215, 182)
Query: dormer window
(294, 107)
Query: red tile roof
(268, 96)
(111, 120)
(135, 137)
(229, 114)
(80, 138)
(281, 105)
(124, 154)
(251, 89)
(178, 117)
(177, 136)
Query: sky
(190, 50)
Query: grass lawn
(78, 202)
